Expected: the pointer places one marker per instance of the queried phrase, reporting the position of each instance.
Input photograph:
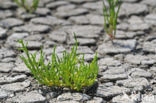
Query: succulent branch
(110, 16)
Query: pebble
(146, 99)
(6, 53)
(122, 26)
(109, 62)
(79, 20)
(139, 27)
(151, 19)
(153, 69)
(35, 37)
(66, 8)
(58, 36)
(11, 22)
(119, 46)
(137, 84)
(3, 33)
(73, 96)
(113, 74)
(126, 98)
(86, 31)
(32, 45)
(25, 16)
(95, 19)
(133, 9)
(88, 57)
(149, 47)
(49, 20)
(59, 49)
(7, 5)
(137, 24)
(151, 37)
(53, 5)
(18, 78)
(33, 28)
(109, 92)
(84, 50)
(42, 3)
(125, 35)
(3, 94)
(21, 68)
(5, 14)
(30, 97)
(8, 60)
(83, 41)
(135, 59)
(16, 87)
(72, 12)
(113, 77)
(137, 72)
(5, 67)
(148, 62)
(93, 5)
(17, 36)
(42, 11)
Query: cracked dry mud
(126, 66)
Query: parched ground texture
(127, 71)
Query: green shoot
(28, 8)
(62, 72)
(110, 16)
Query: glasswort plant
(28, 8)
(61, 72)
(110, 16)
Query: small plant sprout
(70, 71)
(110, 16)
(25, 5)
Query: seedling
(61, 72)
(110, 16)
(28, 8)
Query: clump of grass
(28, 8)
(110, 16)
(61, 72)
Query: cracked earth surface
(126, 66)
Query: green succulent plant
(28, 8)
(110, 16)
(69, 71)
